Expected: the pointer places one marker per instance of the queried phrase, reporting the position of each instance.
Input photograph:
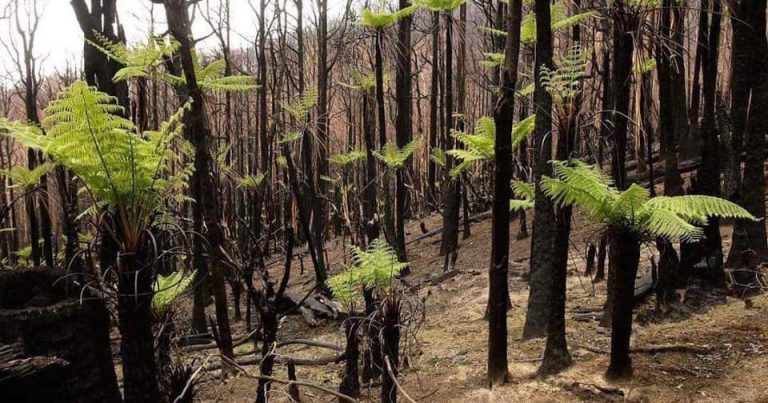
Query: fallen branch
(288, 382)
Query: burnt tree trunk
(623, 263)
(134, 311)
(750, 61)
(197, 130)
(542, 260)
(403, 125)
(498, 275)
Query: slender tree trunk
(498, 275)
(198, 132)
(542, 260)
(319, 216)
(433, 106)
(750, 59)
(403, 125)
(450, 236)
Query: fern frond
(522, 130)
(24, 177)
(393, 157)
(444, 6)
(168, 288)
(347, 158)
(438, 156)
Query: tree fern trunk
(623, 263)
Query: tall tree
(403, 123)
(542, 261)
(197, 130)
(749, 100)
(499, 269)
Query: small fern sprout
(345, 159)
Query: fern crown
(373, 268)
(674, 218)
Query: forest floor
(713, 350)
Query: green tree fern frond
(673, 218)
(379, 19)
(394, 157)
(24, 177)
(168, 288)
(443, 6)
(300, 107)
(347, 158)
(522, 130)
(374, 268)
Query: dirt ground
(720, 354)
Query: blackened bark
(370, 221)
(498, 275)
(542, 260)
(319, 209)
(350, 381)
(390, 346)
(750, 59)
(708, 175)
(451, 195)
(623, 263)
(269, 323)
(134, 309)
(403, 125)
(625, 22)
(197, 130)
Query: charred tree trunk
(542, 260)
(350, 381)
(498, 275)
(623, 263)
(134, 309)
(451, 196)
(750, 61)
(403, 126)
(197, 131)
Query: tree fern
(492, 60)
(147, 59)
(394, 157)
(24, 177)
(560, 21)
(479, 146)
(347, 158)
(525, 194)
(674, 218)
(374, 268)
(120, 168)
(564, 82)
(444, 6)
(379, 19)
(438, 156)
(300, 107)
